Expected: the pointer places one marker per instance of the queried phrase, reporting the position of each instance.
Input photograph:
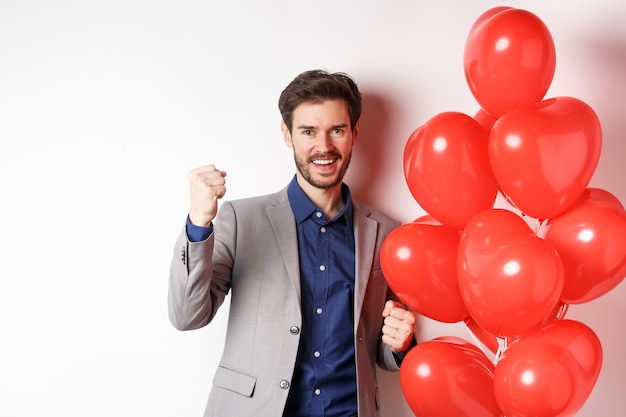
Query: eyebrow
(306, 127)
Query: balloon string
(478, 342)
(537, 226)
(502, 345)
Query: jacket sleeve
(200, 276)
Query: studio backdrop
(106, 105)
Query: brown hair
(317, 86)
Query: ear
(355, 132)
(286, 134)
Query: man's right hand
(206, 186)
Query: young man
(310, 311)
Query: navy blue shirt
(324, 381)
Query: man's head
(321, 114)
(317, 86)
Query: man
(311, 313)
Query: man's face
(322, 140)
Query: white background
(106, 105)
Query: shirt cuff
(198, 233)
(399, 357)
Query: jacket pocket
(235, 381)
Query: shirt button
(322, 268)
(318, 391)
(294, 330)
(323, 229)
(318, 214)
(318, 311)
(284, 384)
(316, 354)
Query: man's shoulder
(257, 201)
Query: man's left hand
(398, 326)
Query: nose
(324, 143)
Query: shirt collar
(302, 207)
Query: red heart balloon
(544, 155)
(509, 59)
(449, 173)
(548, 372)
(510, 279)
(419, 263)
(448, 376)
(591, 239)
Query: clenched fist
(207, 184)
(398, 326)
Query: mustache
(328, 155)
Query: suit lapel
(286, 234)
(365, 230)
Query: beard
(329, 181)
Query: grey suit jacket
(253, 254)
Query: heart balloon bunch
(508, 273)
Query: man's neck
(329, 200)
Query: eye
(337, 131)
(307, 132)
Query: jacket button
(294, 330)
(284, 384)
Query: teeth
(323, 162)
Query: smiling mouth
(323, 161)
